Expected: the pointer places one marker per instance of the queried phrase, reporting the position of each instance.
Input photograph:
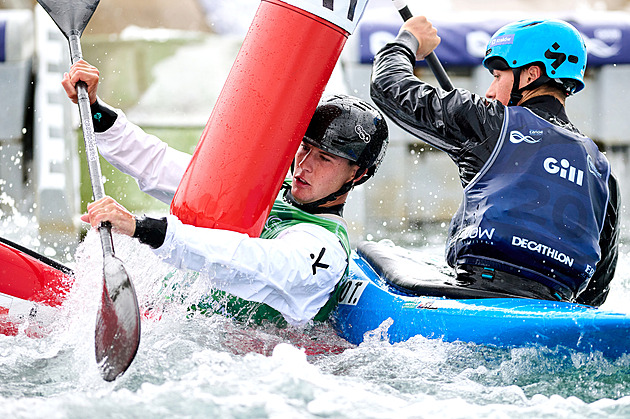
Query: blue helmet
(554, 43)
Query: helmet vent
(532, 24)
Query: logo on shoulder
(272, 220)
(535, 136)
(592, 168)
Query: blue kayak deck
(400, 270)
(369, 300)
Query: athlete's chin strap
(313, 207)
(517, 93)
(316, 207)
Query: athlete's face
(501, 86)
(317, 174)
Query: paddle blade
(117, 334)
(72, 16)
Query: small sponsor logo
(542, 249)
(559, 57)
(564, 170)
(272, 220)
(476, 233)
(502, 40)
(364, 136)
(422, 305)
(517, 137)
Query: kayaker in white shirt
(295, 267)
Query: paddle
(117, 333)
(432, 60)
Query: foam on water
(209, 366)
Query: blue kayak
(391, 293)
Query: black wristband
(151, 231)
(103, 117)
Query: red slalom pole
(261, 115)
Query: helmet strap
(517, 93)
(316, 206)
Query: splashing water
(209, 366)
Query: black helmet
(350, 128)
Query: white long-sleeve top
(281, 272)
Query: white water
(211, 367)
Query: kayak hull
(369, 305)
(33, 287)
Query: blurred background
(164, 63)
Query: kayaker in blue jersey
(539, 216)
(293, 270)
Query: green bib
(281, 217)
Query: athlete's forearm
(460, 123)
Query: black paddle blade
(118, 321)
(72, 16)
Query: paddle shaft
(432, 60)
(91, 151)
(117, 332)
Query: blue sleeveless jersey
(536, 209)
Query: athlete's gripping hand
(424, 32)
(107, 209)
(81, 71)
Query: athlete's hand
(425, 33)
(81, 71)
(107, 209)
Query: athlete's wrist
(103, 116)
(151, 231)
